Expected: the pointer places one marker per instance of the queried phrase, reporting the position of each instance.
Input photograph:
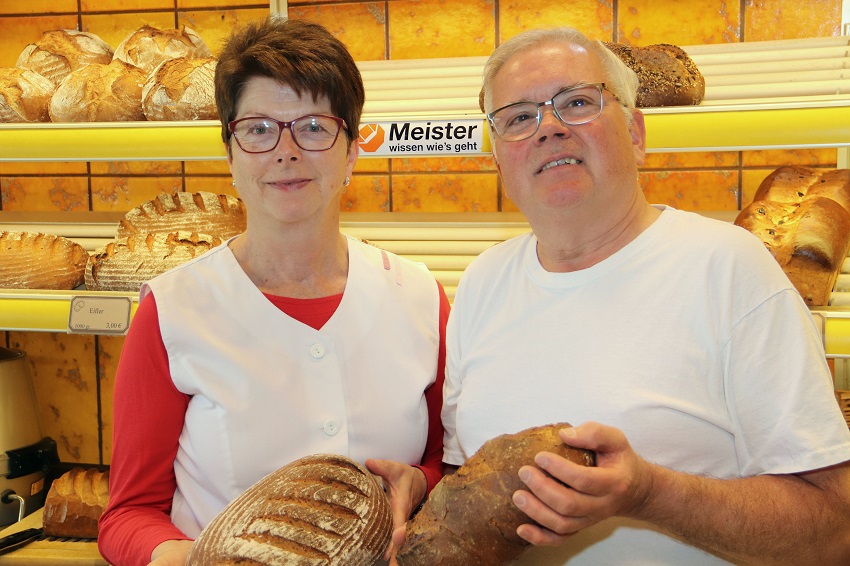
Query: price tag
(99, 315)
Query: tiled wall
(74, 373)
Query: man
(674, 342)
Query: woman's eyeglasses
(315, 132)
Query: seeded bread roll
(60, 52)
(667, 75)
(32, 260)
(24, 95)
(323, 509)
(148, 46)
(469, 517)
(75, 502)
(222, 216)
(100, 93)
(126, 263)
(181, 89)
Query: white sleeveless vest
(267, 389)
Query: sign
(432, 138)
(99, 315)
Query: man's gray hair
(617, 76)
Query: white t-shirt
(690, 339)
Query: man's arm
(768, 519)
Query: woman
(288, 340)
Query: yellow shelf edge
(46, 311)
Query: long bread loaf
(204, 212)
(32, 260)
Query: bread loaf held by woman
(287, 340)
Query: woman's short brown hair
(302, 55)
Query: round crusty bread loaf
(125, 263)
(792, 184)
(667, 75)
(75, 502)
(469, 517)
(181, 89)
(148, 46)
(100, 93)
(32, 260)
(24, 95)
(59, 52)
(221, 216)
(322, 509)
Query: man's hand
(583, 496)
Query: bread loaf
(75, 502)
(793, 184)
(181, 89)
(148, 46)
(322, 509)
(32, 260)
(24, 95)
(667, 75)
(126, 263)
(99, 93)
(59, 52)
(469, 517)
(221, 216)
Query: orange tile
(750, 181)
(41, 194)
(437, 164)
(43, 168)
(217, 167)
(125, 5)
(593, 18)
(215, 26)
(695, 22)
(690, 160)
(692, 190)
(360, 26)
(371, 165)
(184, 4)
(217, 185)
(123, 193)
(791, 19)
(366, 193)
(65, 380)
(778, 158)
(38, 7)
(20, 32)
(114, 28)
(109, 352)
(422, 29)
(116, 168)
(445, 193)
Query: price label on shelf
(99, 315)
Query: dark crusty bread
(222, 216)
(75, 502)
(59, 52)
(99, 93)
(24, 95)
(127, 262)
(32, 260)
(322, 509)
(148, 46)
(469, 517)
(667, 75)
(181, 89)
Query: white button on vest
(331, 428)
(317, 351)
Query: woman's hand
(406, 487)
(171, 553)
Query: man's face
(561, 167)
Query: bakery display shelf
(50, 311)
(742, 126)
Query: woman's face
(288, 184)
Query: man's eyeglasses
(311, 133)
(573, 106)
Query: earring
(233, 183)
(346, 182)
